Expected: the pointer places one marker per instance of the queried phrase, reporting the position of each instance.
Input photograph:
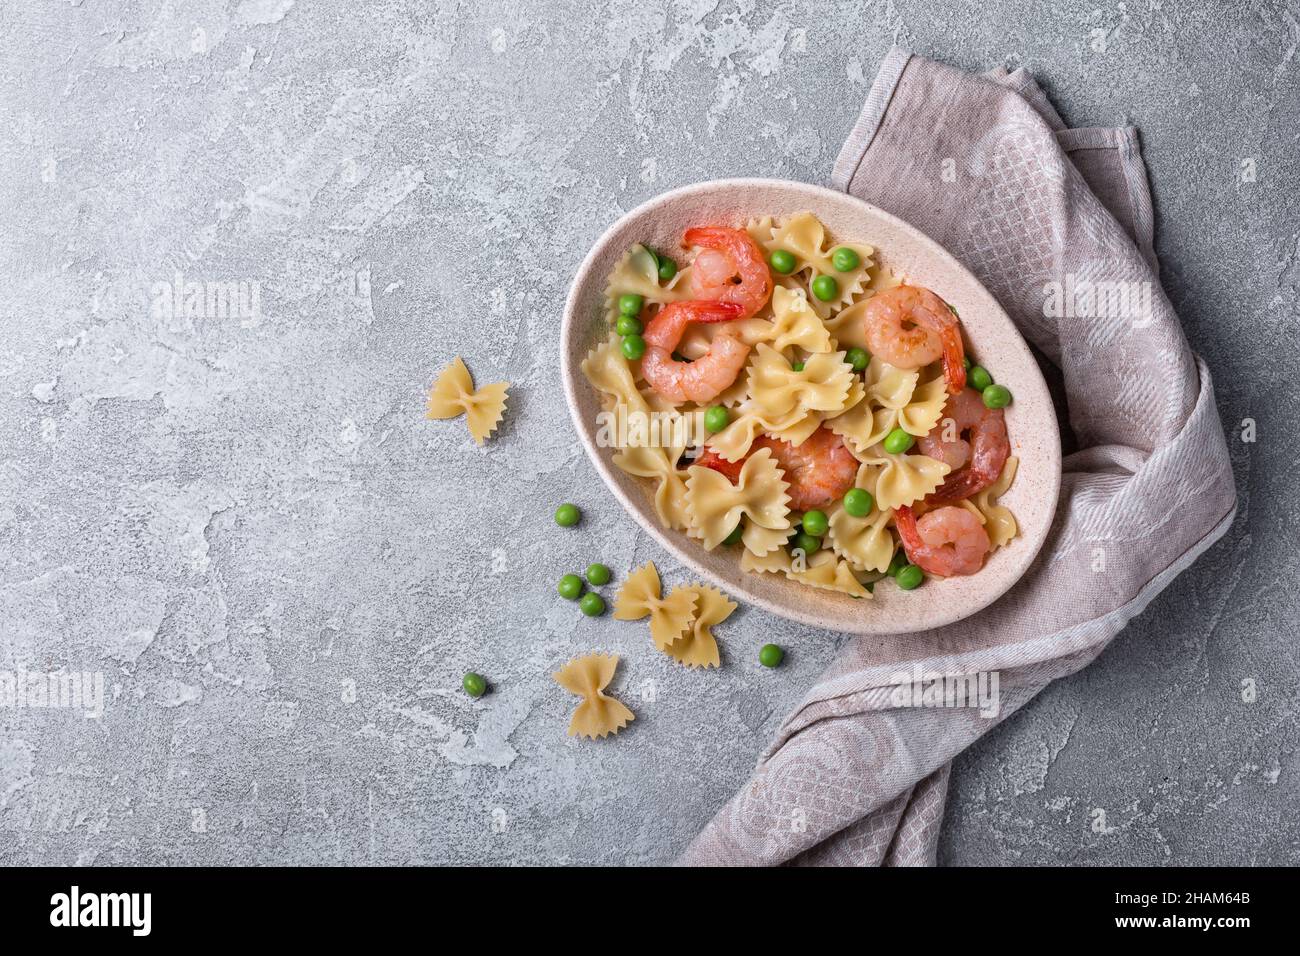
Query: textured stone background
(240, 521)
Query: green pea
(965, 362)
(598, 574)
(781, 261)
(845, 259)
(716, 419)
(474, 684)
(858, 502)
(736, 533)
(909, 577)
(570, 587)
(628, 325)
(771, 655)
(632, 347)
(592, 604)
(630, 304)
(858, 358)
(797, 367)
(667, 269)
(815, 522)
(897, 563)
(825, 288)
(807, 543)
(979, 378)
(566, 516)
(997, 396)
(898, 441)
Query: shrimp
(946, 441)
(819, 471)
(708, 458)
(731, 268)
(909, 327)
(708, 375)
(982, 454)
(948, 541)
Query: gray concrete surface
(282, 570)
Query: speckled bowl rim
(1033, 408)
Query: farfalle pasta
(639, 597)
(828, 422)
(599, 714)
(453, 394)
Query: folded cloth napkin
(1038, 212)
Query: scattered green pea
(979, 378)
(736, 533)
(815, 522)
(898, 441)
(771, 655)
(858, 358)
(858, 502)
(909, 577)
(965, 362)
(667, 269)
(566, 516)
(797, 367)
(628, 325)
(716, 419)
(781, 261)
(474, 684)
(845, 259)
(807, 543)
(897, 562)
(598, 574)
(825, 288)
(630, 304)
(633, 347)
(570, 587)
(592, 604)
(997, 396)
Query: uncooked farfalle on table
(454, 394)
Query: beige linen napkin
(985, 166)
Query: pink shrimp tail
(954, 366)
(905, 522)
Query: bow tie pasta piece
(804, 237)
(864, 425)
(798, 432)
(670, 488)
(608, 372)
(453, 394)
(776, 389)
(599, 714)
(639, 596)
(904, 479)
(795, 324)
(715, 505)
(698, 647)
(997, 519)
(823, 570)
(637, 273)
(866, 542)
(887, 386)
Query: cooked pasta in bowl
(813, 404)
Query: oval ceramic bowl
(1031, 421)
